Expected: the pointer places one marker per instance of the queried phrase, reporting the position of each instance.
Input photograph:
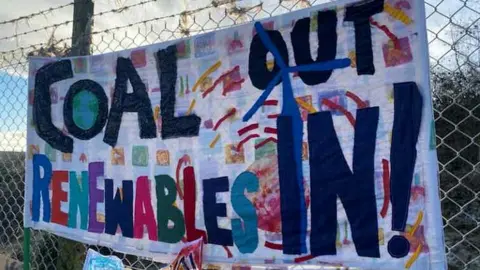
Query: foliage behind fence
(453, 29)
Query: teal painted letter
(246, 235)
(78, 200)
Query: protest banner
(300, 139)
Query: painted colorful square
(235, 43)
(204, 45)
(101, 217)
(139, 59)
(118, 156)
(140, 155)
(66, 157)
(163, 158)
(50, 152)
(232, 156)
(336, 97)
(98, 64)
(264, 147)
(397, 53)
(80, 65)
(184, 49)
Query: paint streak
(219, 80)
(387, 32)
(214, 141)
(247, 129)
(190, 108)
(414, 257)
(360, 103)
(261, 144)
(248, 138)
(204, 76)
(270, 130)
(270, 102)
(397, 13)
(229, 114)
(335, 106)
(386, 187)
(306, 106)
(304, 258)
(274, 246)
(417, 223)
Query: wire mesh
(454, 39)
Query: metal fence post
(26, 248)
(82, 27)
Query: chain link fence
(454, 39)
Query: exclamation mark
(403, 153)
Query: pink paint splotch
(267, 200)
(397, 54)
(416, 239)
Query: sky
(13, 68)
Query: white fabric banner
(306, 138)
